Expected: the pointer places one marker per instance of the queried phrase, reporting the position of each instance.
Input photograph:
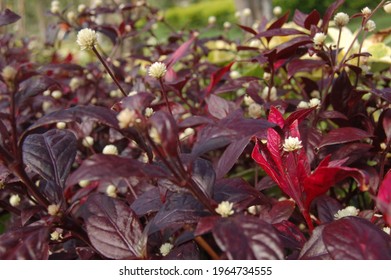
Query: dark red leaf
(7, 17)
(299, 18)
(353, 238)
(32, 87)
(298, 115)
(51, 154)
(26, 243)
(203, 175)
(384, 93)
(108, 167)
(187, 251)
(230, 156)
(205, 225)
(279, 22)
(384, 197)
(314, 248)
(138, 102)
(147, 203)
(167, 130)
(113, 228)
(281, 211)
(327, 207)
(247, 238)
(303, 65)
(312, 19)
(387, 124)
(247, 29)
(179, 53)
(332, 115)
(290, 235)
(291, 46)
(343, 135)
(278, 32)
(219, 107)
(217, 76)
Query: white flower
(87, 141)
(81, 8)
(71, 16)
(255, 110)
(234, 74)
(61, 125)
(224, 209)
(110, 150)
(292, 144)
(248, 100)
(186, 133)
(157, 70)
(97, 3)
(366, 11)
(87, 39)
(314, 102)
(211, 20)
(46, 105)
(84, 183)
(53, 209)
(111, 191)
(55, 235)
(266, 76)
(303, 105)
(370, 26)
(9, 73)
(237, 14)
(166, 248)
(14, 200)
(227, 25)
(154, 134)
(74, 83)
(387, 8)
(56, 94)
(126, 118)
(348, 211)
(115, 93)
(254, 209)
(319, 38)
(148, 112)
(55, 7)
(273, 94)
(387, 230)
(246, 12)
(341, 19)
(132, 93)
(277, 11)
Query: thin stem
(308, 220)
(109, 71)
(9, 208)
(337, 47)
(164, 93)
(204, 245)
(131, 189)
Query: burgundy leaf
(7, 17)
(247, 29)
(203, 175)
(291, 46)
(332, 115)
(205, 225)
(384, 93)
(279, 22)
(343, 135)
(147, 203)
(26, 243)
(387, 124)
(303, 65)
(32, 87)
(353, 238)
(247, 238)
(329, 13)
(28, 212)
(113, 228)
(327, 207)
(219, 107)
(217, 76)
(299, 18)
(167, 130)
(290, 235)
(341, 93)
(179, 53)
(314, 248)
(187, 251)
(230, 156)
(298, 115)
(51, 154)
(384, 197)
(178, 210)
(108, 167)
(312, 19)
(78, 114)
(281, 211)
(278, 32)
(138, 102)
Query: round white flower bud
(314, 102)
(237, 14)
(84, 183)
(157, 70)
(303, 105)
(341, 19)
(366, 11)
(273, 93)
(277, 10)
(55, 235)
(319, 38)
(55, 7)
(248, 100)
(126, 118)
(234, 74)
(246, 12)
(387, 230)
(211, 20)
(227, 25)
(61, 125)
(9, 73)
(74, 83)
(148, 112)
(110, 150)
(46, 105)
(53, 209)
(387, 8)
(154, 134)
(348, 211)
(14, 200)
(87, 39)
(186, 133)
(165, 249)
(224, 209)
(56, 94)
(88, 141)
(111, 191)
(71, 16)
(255, 110)
(291, 144)
(370, 26)
(81, 8)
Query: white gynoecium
(157, 70)
(224, 209)
(291, 144)
(87, 39)
(348, 211)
